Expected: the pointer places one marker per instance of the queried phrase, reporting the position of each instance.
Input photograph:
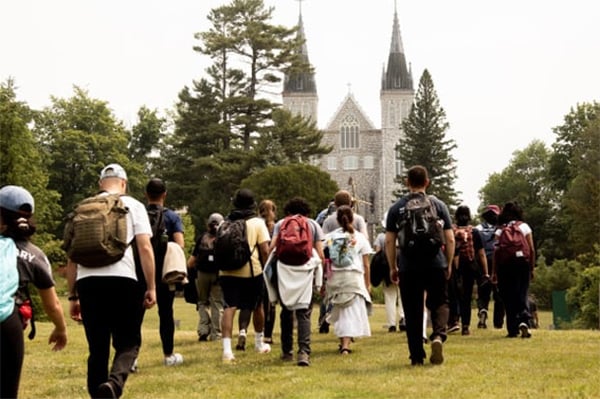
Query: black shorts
(242, 293)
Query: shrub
(583, 298)
(559, 276)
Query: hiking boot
(402, 324)
(134, 367)
(303, 359)
(241, 344)
(453, 328)
(105, 390)
(262, 348)
(437, 356)
(524, 328)
(483, 314)
(174, 360)
(392, 329)
(465, 330)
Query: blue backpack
(340, 252)
(9, 277)
(487, 238)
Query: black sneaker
(483, 314)
(437, 355)
(324, 328)
(392, 329)
(241, 344)
(203, 337)
(402, 324)
(465, 330)
(105, 390)
(524, 328)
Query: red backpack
(464, 242)
(294, 241)
(512, 244)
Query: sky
(505, 72)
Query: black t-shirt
(392, 222)
(34, 268)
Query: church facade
(364, 160)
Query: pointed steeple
(303, 82)
(396, 76)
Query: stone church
(364, 160)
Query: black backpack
(232, 251)
(205, 254)
(159, 241)
(379, 270)
(421, 232)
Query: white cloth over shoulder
(174, 266)
(294, 283)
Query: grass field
(552, 364)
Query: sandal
(345, 351)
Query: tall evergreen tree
(424, 141)
(146, 137)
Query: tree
(145, 138)
(525, 180)
(250, 54)
(81, 136)
(424, 141)
(575, 173)
(281, 183)
(21, 161)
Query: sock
(258, 338)
(243, 332)
(227, 346)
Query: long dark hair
(510, 211)
(345, 217)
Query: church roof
(303, 82)
(349, 105)
(396, 75)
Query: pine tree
(424, 141)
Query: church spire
(396, 76)
(302, 82)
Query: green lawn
(552, 364)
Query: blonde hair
(268, 211)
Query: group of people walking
(288, 259)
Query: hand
(149, 298)
(75, 310)
(394, 278)
(58, 338)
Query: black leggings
(12, 351)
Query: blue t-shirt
(392, 222)
(9, 277)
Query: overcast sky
(505, 72)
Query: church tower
(396, 98)
(299, 89)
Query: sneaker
(228, 358)
(524, 328)
(241, 344)
(416, 363)
(303, 359)
(402, 325)
(174, 360)
(324, 328)
(392, 329)
(483, 314)
(287, 357)
(262, 348)
(465, 330)
(437, 357)
(105, 390)
(453, 328)
(203, 337)
(134, 366)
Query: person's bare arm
(391, 255)
(450, 248)
(74, 308)
(178, 238)
(147, 258)
(54, 310)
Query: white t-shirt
(137, 223)
(359, 246)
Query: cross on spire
(299, 6)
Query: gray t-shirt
(331, 223)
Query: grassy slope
(553, 364)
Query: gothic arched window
(349, 132)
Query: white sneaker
(174, 360)
(262, 348)
(228, 358)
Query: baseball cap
(492, 208)
(16, 199)
(215, 218)
(113, 170)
